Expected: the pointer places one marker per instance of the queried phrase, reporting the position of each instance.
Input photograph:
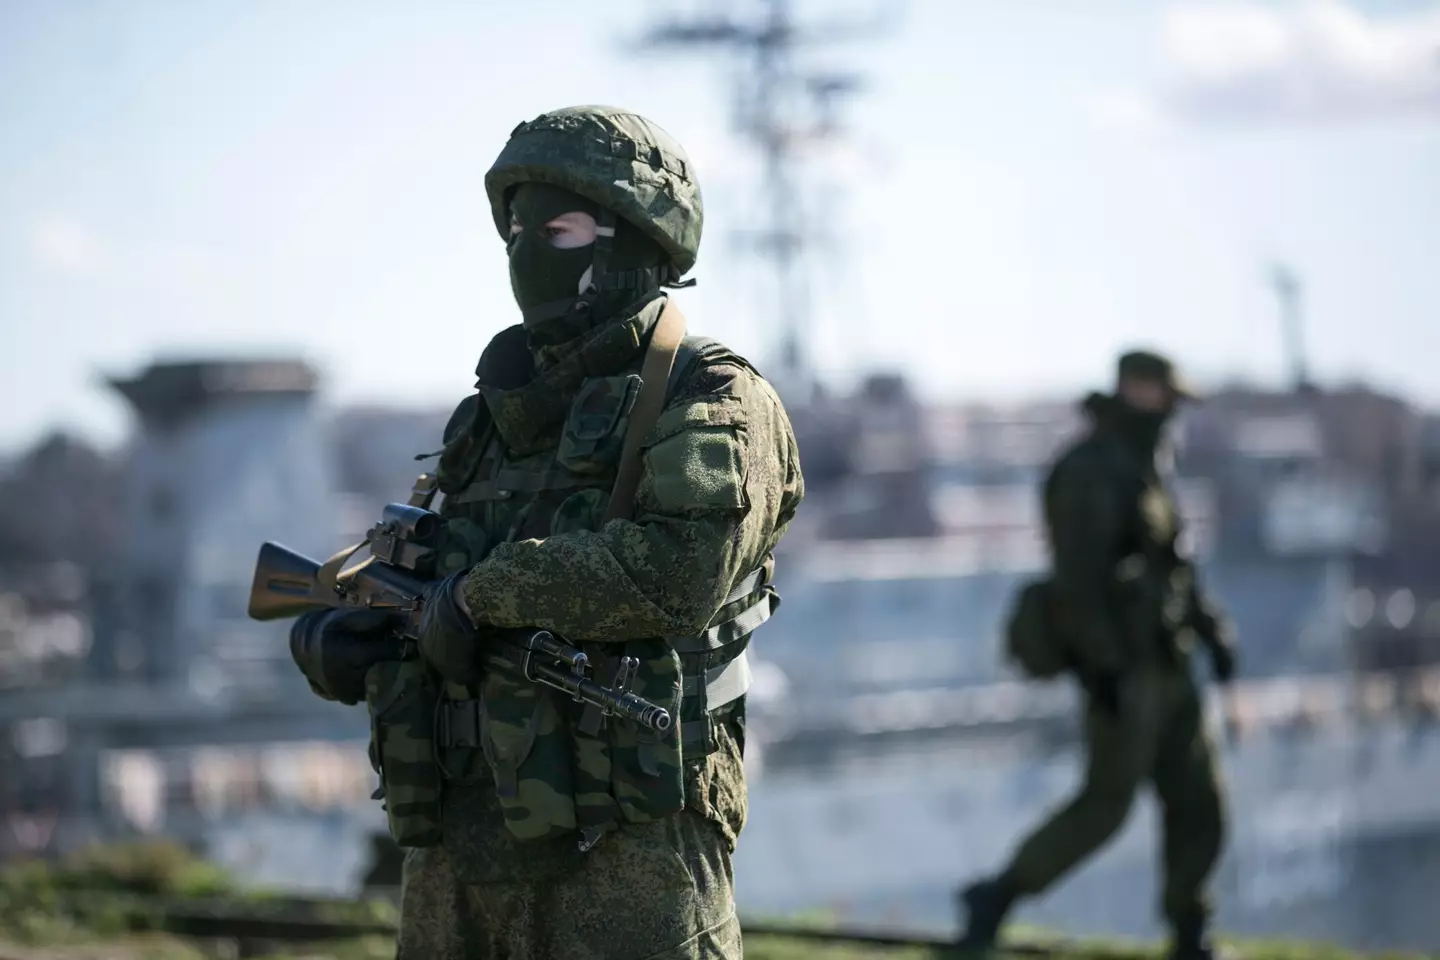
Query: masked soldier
(1123, 610)
(538, 827)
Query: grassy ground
(110, 904)
(155, 947)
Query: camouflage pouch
(646, 768)
(401, 696)
(595, 427)
(527, 746)
(1032, 640)
(715, 782)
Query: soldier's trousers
(1162, 740)
(661, 890)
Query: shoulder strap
(654, 382)
(692, 348)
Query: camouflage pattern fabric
(656, 891)
(531, 417)
(621, 161)
(561, 837)
(507, 878)
(400, 695)
(721, 482)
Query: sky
(1025, 189)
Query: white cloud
(1310, 61)
(70, 247)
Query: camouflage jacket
(1124, 589)
(526, 472)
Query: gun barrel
(547, 643)
(626, 705)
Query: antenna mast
(783, 110)
(1288, 291)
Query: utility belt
(555, 771)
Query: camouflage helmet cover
(616, 158)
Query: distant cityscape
(136, 696)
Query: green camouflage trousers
(654, 891)
(1161, 741)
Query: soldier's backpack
(1033, 641)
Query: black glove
(1218, 634)
(334, 649)
(1106, 691)
(449, 641)
(1222, 660)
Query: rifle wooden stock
(288, 584)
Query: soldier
(537, 827)
(1125, 609)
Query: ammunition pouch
(555, 772)
(401, 696)
(1034, 640)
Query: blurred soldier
(1123, 610)
(539, 828)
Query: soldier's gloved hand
(1222, 660)
(449, 641)
(1106, 689)
(334, 649)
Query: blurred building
(226, 454)
(377, 455)
(136, 572)
(1312, 513)
(141, 698)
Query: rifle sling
(654, 376)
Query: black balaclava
(547, 281)
(1144, 428)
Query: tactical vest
(556, 767)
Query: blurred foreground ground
(155, 901)
(756, 948)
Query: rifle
(394, 576)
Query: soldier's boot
(985, 905)
(1192, 940)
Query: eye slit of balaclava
(541, 273)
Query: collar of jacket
(1115, 421)
(528, 417)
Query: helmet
(618, 159)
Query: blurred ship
(889, 724)
(893, 752)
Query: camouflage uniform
(545, 835)
(1129, 610)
